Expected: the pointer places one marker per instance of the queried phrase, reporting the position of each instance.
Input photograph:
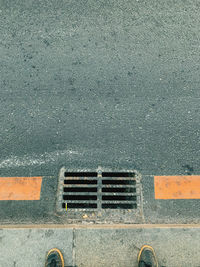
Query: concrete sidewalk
(100, 246)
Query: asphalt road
(99, 83)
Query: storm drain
(98, 193)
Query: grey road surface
(99, 83)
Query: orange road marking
(20, 188)
(177, 187)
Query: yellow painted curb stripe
(20, 188)
(177, 187)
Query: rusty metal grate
(100, 196)
(80, 190)
(118, 190)
(106, 190)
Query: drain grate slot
(80, 174)
(79, 197)
(99, 192)
(79, 206)
(118, 190)
(115, 198)
(76, 181)
(121, 182)
(119, 206)
(80, 189)
(118, 174)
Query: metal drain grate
(80, 190)
(118, 191)
(99, 196)
(99, 191)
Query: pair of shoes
(146, 258)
